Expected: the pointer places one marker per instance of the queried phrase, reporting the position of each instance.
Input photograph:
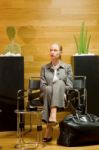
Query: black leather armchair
(35, 100)
(76, 97)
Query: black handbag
(76, 130)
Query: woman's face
(55, 52)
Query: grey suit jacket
(64, 72)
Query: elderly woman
(56, 78)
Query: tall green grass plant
(83, 41)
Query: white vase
(84, 54)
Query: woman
(56, 78)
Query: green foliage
(82, 43)
(11, 32)
(12, 47)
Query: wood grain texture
(40, 23)
(8, 141)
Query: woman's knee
(60, 84)
(48, 89)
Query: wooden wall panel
(39, 23)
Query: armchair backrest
(34, 94)
(79, 82)
(34, 84)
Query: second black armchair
(34, 95)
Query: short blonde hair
(59, 46)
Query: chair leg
(21, 143)
(20, 128)
(30, 129)
(30, 120)
(86, 101)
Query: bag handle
(88, 115)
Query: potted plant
(83, 41)
(12, 48)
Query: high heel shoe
(48, 134)
(49, 139)
(52, 123)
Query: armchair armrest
(72, 93)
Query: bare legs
(49, 131)
(52, 117)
